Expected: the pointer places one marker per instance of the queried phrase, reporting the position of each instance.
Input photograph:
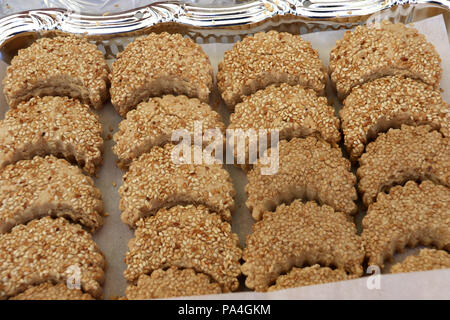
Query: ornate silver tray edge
(17, 29)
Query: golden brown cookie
(407, 216)
(49, 291)
(48, 186)
(427, 259)
(159, 64)
(269, 58)
(49, 250)
(52, 125)
(309, 169)
(389, 102)
(172, 282)
(385, 49)
(185, 237)
(154, 181)
(409, 153)
(61, 66)
(153, 122)
(297, 234)
(292, 110)
(299, 277)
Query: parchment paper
(114, 235)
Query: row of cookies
(317, 180)
(409, 153)
(276, 81)
(181, 212)
(48, 206)
(396, 126)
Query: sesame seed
(296, 234)
(159, 64)
(407, 216)
(59, 66)
(269, 58)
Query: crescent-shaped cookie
(299, 277)
(374, 51)
(409, 153)
(60, 66)
(155, 180)
(427, 259)
(159, 64)
(294, 111)
(309, 169)
(185, 237)
(48, 186)
(269, 58)
(389, 102)
(172, 282)
(407, 216)
(59, 126)
(49, 291)
(49, 250)
(153, 122)
(299, 234)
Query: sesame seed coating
(375, 51)
(427, 259)
(46, 250)
(172, 282)
(52, 125)
(296, 234)
(60, 66)
(154, 181)
(49, 291)
(309, 169)
(48, 186)
(407, 216)
(159, 64)
(389, 102)
(269, 58)
(152, 123)
(409, 153)
(299, 277)
(185, 237)
(292, 110)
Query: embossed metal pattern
(189, 16)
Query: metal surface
(18, 30)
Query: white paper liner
(114, 235)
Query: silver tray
(221, 26)
(18, 30)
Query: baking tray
(216, 29)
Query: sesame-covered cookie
(52, 250)
(49, 291)
(48, 186)
(185, 237)
(427, 259)
(389, 102)
(153, 122)
(409, 153)
(374, 51)
(60, 66)
(294, 111)
(172, 282)
(407, 216)
(155, 180)
(309, 169)
(52, 125)
(296, 234)
(269, 58)
(299, 277)
(159, 64)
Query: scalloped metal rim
(192, 16)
